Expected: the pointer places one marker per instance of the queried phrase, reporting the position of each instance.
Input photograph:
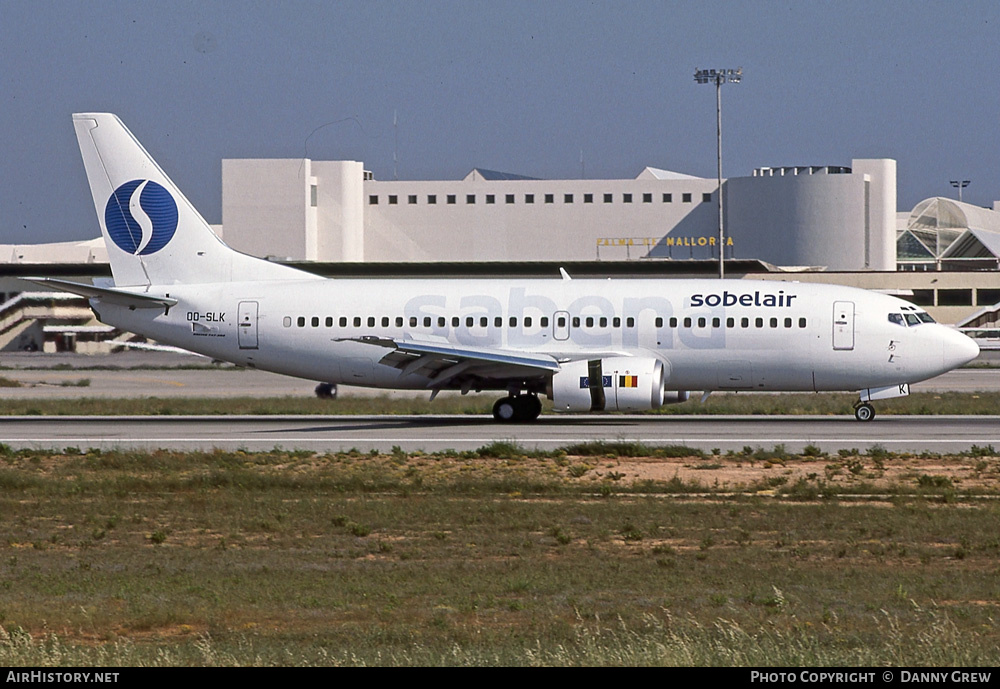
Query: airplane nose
(958, 349)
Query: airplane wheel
(326, 391)
(520, 408)
(505, 410)
(532, 407)
(864, 412)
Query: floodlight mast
(960, 185)
(719, 77)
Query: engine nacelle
(614, 384)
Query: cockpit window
(897, 319)
(911, 319)
(925, 317)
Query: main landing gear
(863, 411)
(517, 408)
(326, 391)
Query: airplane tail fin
(153, 234)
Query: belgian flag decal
(628, 381)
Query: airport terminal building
(843, 218)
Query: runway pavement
(158, 374)
(435, 433)
(143, 374)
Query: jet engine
(613, 384)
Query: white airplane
(589, 345)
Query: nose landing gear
(517, 408)
(863, 411)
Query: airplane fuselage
(709, 334)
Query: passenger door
(843, 325)
(247, 325)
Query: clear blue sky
(516, 86)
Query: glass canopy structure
(942, 234)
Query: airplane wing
(111, 295)
(443, 362)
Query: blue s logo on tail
(141, 217)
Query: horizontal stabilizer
(107, 294)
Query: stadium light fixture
(719, 77)
(960, 185)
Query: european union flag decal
(585, 382)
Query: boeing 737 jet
(588, 345)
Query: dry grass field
(599, 554)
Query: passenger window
(371, 321)
(659, 322)
(427, 321)
(385, 321)
(673, 322)
(484, 321)
(759, 322)
(716, 322)
(413, 321)
(357, 321)
(687, 322)
(630, 322)
(469, 320)
(329, 321)
(561, 321)
(301, 321)
(343, 321)
(788, 322)
(616, 322)
(455, 321)
(730, 322)
(802, 322)
(702, 322)
(441, 321)
(287, 321)
(897, 319)
(745, 322)
(545, 321)
(774, 322)
(513, 322)
(399, 321)
(603, 322)
(314, 321)
(576, 321)
(527, 321)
